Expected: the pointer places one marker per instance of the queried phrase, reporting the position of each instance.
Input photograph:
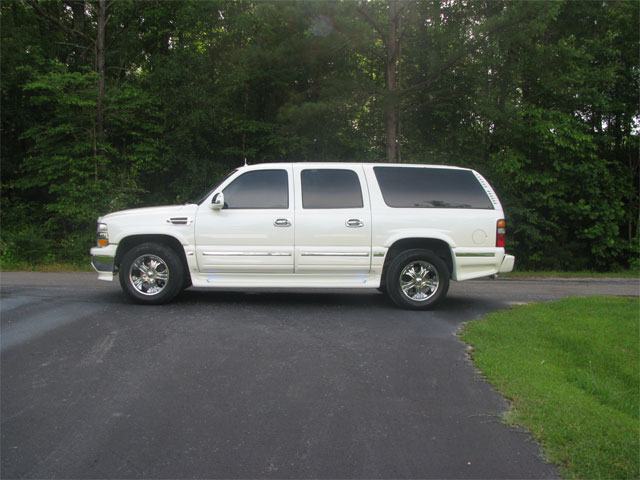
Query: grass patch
(571, 370)
(577, 274)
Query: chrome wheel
(149, 274)
(419, 281)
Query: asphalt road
(260, 385)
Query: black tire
(417, 279)
(151, 273)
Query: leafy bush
(74, 248)
(25, 244)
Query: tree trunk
(392, 96)
(392, 39)
(102, 20)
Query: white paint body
(317, 248)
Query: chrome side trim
(475, 254)
(246, 254)
(333, 254)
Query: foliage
(542, 99)
(28, 243)
(572, 372)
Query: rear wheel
(151, 273)
(417, 279)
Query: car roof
(260, 166)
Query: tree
(128, 103)
(444, 36)
(554, 147)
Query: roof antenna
(245, 162)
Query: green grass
(576, 274)
(571, 370)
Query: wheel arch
(438, 246)
(131, 241)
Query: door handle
(354, 223)
(282, 222)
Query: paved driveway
(262, 385)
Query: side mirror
(217, 202)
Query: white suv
(404, 229)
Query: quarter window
(330, 188)
(258, 189)
(420, 187)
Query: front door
(253, 232)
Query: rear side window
(330, 188)
(431, 188)
(258, 189)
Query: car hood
(150, 211)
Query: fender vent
(179, 220)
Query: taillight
(501, 229)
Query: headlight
(103, 235)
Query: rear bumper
(473, 262)
(507, 264)
(103, 261)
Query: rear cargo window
(411, 187)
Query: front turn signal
(103, 235)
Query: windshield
(209, 192)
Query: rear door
(332, 220)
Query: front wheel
(417, 279)
(151, 273)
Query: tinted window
(331, 188)
(431, 188)
(258, 189)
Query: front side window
(330, 188)
(258, 189)
(431, 188)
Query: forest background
(116, 104)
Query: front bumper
(103, 261)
